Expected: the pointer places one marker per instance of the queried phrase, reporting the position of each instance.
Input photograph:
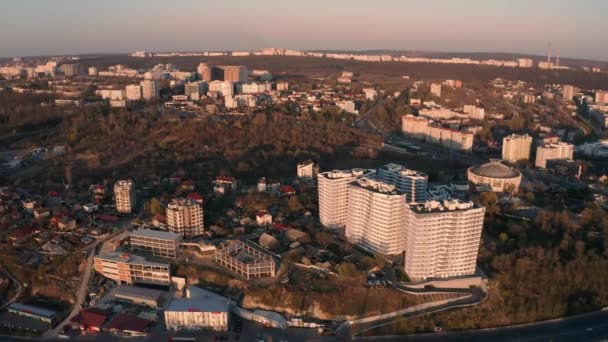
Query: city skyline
(65, 27)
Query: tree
(347, 270)
(154, 206)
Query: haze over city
(574, 28)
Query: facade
(568, 92)
(200, 310)
(204, 72)
(159, 243)
(307, 170)
(138, 295)
(194, 89)
(224, 88)
(498, 176)
(149, 90)
(35, 312)
(516, 147)
(436, 89)
(375, 217)
(234, 73)
(132, 269)
(525, 63)
(70, 70)
(412, 183)
(185, 216)
(124, 193)
(560, 150)
(333, 195)
(133, 92)
(601, 96)
(420, 128)
(442, 239)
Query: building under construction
(245, 260)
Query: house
(287, 190)
(90, 320)
(295, 235)
(40, 213)
(90, 207)
(273, 185)
(66, 223)
(21, 235)
(29, 205)
(263, 217)
(196, 197)
(269, 242)
(188, 185)
(262, 185)
(159, 221)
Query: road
(18, 286)
(587, 327)
(85, 282)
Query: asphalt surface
(588, 327)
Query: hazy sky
(41, 27)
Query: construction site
(245, 260)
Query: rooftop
(447, 205)
(337, 174)
(402, 170)
(140, 292)
(495, 169)
(129, 258)
(157, 234)
(36, 310)
(200, 300)
(376, 186)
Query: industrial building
(138, 295)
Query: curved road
(18, 285)
(586, 327)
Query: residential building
(159, 243)
(124, 193)
(475, 113)
(347, 106)
(70, 70)
(442, 239)
(194, 89)
(560, 150)
(420, 128)
(333, 195)
(149, 90)
(263, 218)
(185, 216)
(133, 92)
(370, 93)
(516, 147)
(93, 71)
(525, 62)
(282, 86)
(436, 89)
(568, 92)
(410, 182)
(307, 170)
(601, 96)
(234, 73)
(132, 269)
(200, 310)
(225, 89)
(35, 312)
(204, 72)
(375, 216)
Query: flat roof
(36, 310)
(157, 234)
(139, 292)
(129, 258)
(200, 300)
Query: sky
(52, 27)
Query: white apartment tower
(307, 170)
(375, 218)
(516, 147)
(412, 183)
(568, 92)
(442, 239)
(149, 90)
(561, 150)
(333, 195)
(124, 192)
(185, 216)
(436, 89)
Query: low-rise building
(200, 310)
(132, 269)
(159, 243)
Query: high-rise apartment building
(234, 73)
(149, 90)
(226, 89)
(568, 92)
(184, 216)
(516, 147)
(204, 71)
(124, 193)
(333, 195)
(412, 183)
(72, 69)
(194, 89)
(442, 239)
(132, 269)
(560, 150)
(133, 92)
(375, 217)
